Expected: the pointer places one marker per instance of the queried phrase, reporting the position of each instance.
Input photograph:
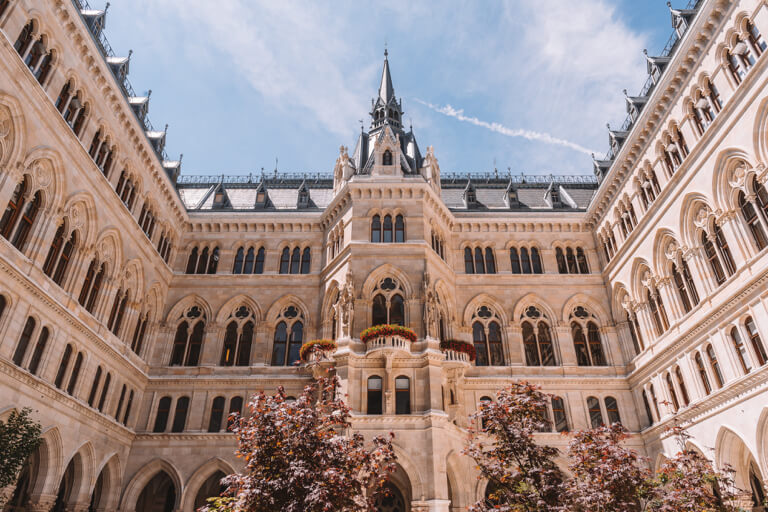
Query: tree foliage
(607, 475)
(19, 438)
(522, 473)
(301, 457)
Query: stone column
(671, 300)
(565, 345)
(648, 331)
(515, 350)
(702, 273)
(612, 346)
(41, 236)
(212, 341)
(625, 341)
(737, 237)
(9, 180)
(41, 503)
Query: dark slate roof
(198, 192)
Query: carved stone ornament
(738, 175)
(671, 250)
(76, 216)
(43, 173)
(647, 278)
(700, 219)
(346, 306)
(6, 133)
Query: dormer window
(386, 159)
(303, 200)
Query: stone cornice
(272, 222)
(667, 354)
(96, 342)
(112, 96)
(30, 382)
(664, 96)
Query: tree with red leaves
(607, 476)
(689, 483)
(522, 474)
(301, 457)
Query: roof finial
(386, 53)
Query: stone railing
(456, 356)
(391, 342)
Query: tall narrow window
(561, 267)
(180, 415)
(279, 344)
(25, 223)
(729, 265)
(138, 334)
(63, 366)
(712, 258)
(682, 387)
(741, 350)
(217, 413)
(375, 396)
(214, 261)
(469, 265)
(230, 344)
(249, 259)
(120, 403)
(750, 217)
(536, 260)
(715, 367)
(655, 313)
(647, 405)
(163, 411)
(689, 282)
(515, 261)
(612, 409)
(757, 343)
(481, 344)
(681, 290)
(21, 347)
(655, 400)
(525, 261)
(376, 229)
(702, 374)
(595, 414)
(490, 261)
(187, 346)
(295, 260)
(571, 260)
(235, 407)
(399, 229)
(402, 395)
(285, 261)
(13, 210)
(238, 266)
(479, 261)
(259, 267)
(634, 332)
(127, 414)
(672, 394)
(73, 378)
(37, 355)
(104, 392)
(558, 414)
(305, 260)
(495, 345)
(94, 387)
(387, 230)
(581, 258)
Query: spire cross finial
(386, 53)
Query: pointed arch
(12, 123)
(619, 296)
(45, 166)
(383, 271)
(484, 299)
(51, 455)
(661, 242)
(153, 301)
(84, 464)
(732, 450)
(286, 300)
(760, 133)
(109, 250)
(198, 478)
(184, 304)
(141, 478)
(80, 210)
(690, 208)
(131, 277)
(762, 439)
(639, 267)
(723, 193)
(111, 470)
(594, 307)
(235, 302)
(533, 299)
(408, 475)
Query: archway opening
(63, 497)
(391, 500)
(212, 487)
(96, 495)
(159, 495)
(25, 484)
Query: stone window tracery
(238, 338)
(94, 278)
(589, 348)
(118, 311)
(289, 336)
(537, 339)
(388, 306)
(571, 260)
(295, 261)
(681, 385)
(147, 225)
(387, 229)
(60, 253)
(249, 261)
(188, 341)
(20, 214)
(486, 335)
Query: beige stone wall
(118, 455)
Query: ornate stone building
(138, 306)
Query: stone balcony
(392, 343)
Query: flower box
(316, 345)
(459, 346)
(379, 331)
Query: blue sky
(241, 82)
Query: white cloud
(509, 132)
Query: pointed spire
(386, 90)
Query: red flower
(377, 331)
(311, 346)
(459, 346)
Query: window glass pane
(595, 414)
(397, 310)
(612, 409)
(379, 310)
(515, 260)
(478, 336)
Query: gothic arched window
(217, 414)
(757, 343)
(386, 158)
(180, 415)
(595, 413)
(702, 374)
(163, 411)
(387, 234)
(388, 303)
(486, 335)
(537, 339)
(399, 229)
(21, 348)
(681, 290)
(612, 409)
(672, 393)
(559, 419)
(561, 266)
(589, 348)
(376, 229)
(289, 336)
(682, 387)
(581, 259)
(741, 350)
(715, 366)
(374, 395)
(658, 313)
(238, 338)
(188, 341)
(63, 366)
(750, 217)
